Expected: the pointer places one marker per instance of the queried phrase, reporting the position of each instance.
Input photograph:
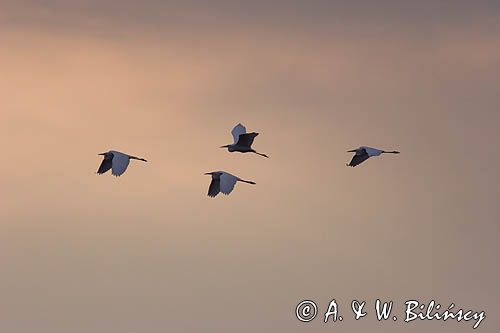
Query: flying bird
(363, 153)
(116, 161)
(223, 182)
(242, 141)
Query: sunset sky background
(167, 80)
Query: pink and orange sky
(167, 80)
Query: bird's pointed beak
(102, 154)
(208, 173)
(224, 146)
(351, 151)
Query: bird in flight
(242, 141)
(116, 161)
(223, 182)
(363, 153)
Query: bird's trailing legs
(138, 158)
(247, 181)
(253, 151)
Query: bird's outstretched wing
(105, 165)
(120, 163)
(214, 188)
(246, 139)
(359, 158)
(227, 182)
(237, 131)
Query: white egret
(363, 153)
(223, 182)
(116, 161)
(242, 141)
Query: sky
(167, 80)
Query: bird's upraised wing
(227, 182)
(237, 131)
(120, 163)
(246, 140)
(214, 188)
(105, 165)
(359, 158)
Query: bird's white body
(363, 153)
(116, 161)
(223, 182)
(242, 141)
